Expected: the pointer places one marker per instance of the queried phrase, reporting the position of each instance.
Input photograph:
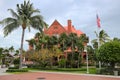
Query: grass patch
(70, 70)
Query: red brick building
(55, 29)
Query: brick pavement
(55, 76)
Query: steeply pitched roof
(51, 30)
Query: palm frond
(93, 41)
(37, 22)
(37, 17)
(14, 14)
(28, 24)
(32, 12)
(96, 34)
(10, 27)
(7, 21)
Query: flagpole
(99, 47)
(98, 31)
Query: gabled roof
(73, 30)
(51, 30)
(55, 23)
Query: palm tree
(24, 17)
(31, 42)
(11, 49)
(62, 41)
(84, 39)
(16, 53)
(81, 43)
(41, 40)
(103, 37)
(72, 40)
(90, 52)
(80, 48)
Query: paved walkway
(3, 71)
(56, 76)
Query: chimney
(69, 26)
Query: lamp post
(85, 50)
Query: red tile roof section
(60, 29)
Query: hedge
(16, 70)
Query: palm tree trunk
(21, 48)
(65, 58)
(72, 56)
(78, 59)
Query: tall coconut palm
(25, 17)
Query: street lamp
(85, 50)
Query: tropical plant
(80, 47)
(84, 39)
(90, 52)
(116, 39)
(41, 41)
(31, 42)
(11, 49)
(24, 17)
(72, 40)
(110, 53)
(102, 36)
(62, 40)
(16, 53)
(1, 55)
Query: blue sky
(81, 12)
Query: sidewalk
(3, 71)
(97, 75)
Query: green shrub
(62, 63)
(16, 70)
(16, 61)
(109, 71)
(13, 68)
(37, 66)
